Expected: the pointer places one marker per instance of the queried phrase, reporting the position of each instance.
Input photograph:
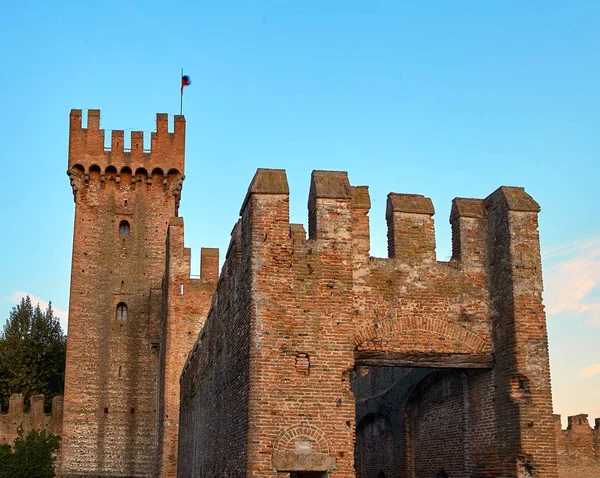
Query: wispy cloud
(62, 315)
(572, 280)
(590, 370)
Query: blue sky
(443, 99)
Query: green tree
(32, 456)
(32, 354)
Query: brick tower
(124, 200)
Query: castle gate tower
(124, 199)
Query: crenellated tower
(124, 199)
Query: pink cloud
(590, 370)
(572, 280)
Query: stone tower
(124, 200)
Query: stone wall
(293, 316)
(578, 447)
(34, 419)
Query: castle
(305, 357)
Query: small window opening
(122, 311)
(124, 229)
(119, 371)
(181, 289)
(105, 409)
(132, 410)
(125, 202)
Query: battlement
(578, 446)
(336, 208)
(34, 419)
(88, 157)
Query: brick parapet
(577, 447)
(86, 145)
(34, 419)
(160, 166)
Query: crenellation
(411, 234)
(328, 204)
(578, 447)
(86, 147)
(33, 419)
(469, 232)
(209, 264)
(311, 310)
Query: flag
(185, 81)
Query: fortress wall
(310, 309)
(186, 302)
(34, 419)
(215, 383)
(578, 447)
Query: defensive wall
(182, 301)
(34, 419)
(269, 389)
(578, 447)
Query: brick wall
(437, 428)
(186, 302)
(213, 421)
(34, 419)
(309, 310)
(578, 447)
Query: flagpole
(181, 96)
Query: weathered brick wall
(523, 397)
(436, 427)
(213, 421)
(315, 308)
(578, 447)
(400, 397)
(186, 302)
(34, 419)
(381, 397)
(110, 403)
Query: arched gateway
(415, 362)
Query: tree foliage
(32, 354)
(31, 456)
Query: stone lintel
(297, 461)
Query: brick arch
(378, 330)
(285, 440)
